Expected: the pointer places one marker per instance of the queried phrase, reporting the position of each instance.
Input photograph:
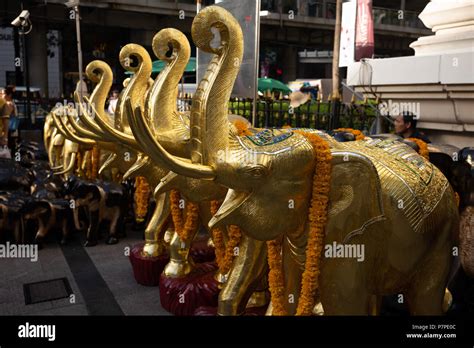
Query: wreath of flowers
(357, 133)
(78, 163)
(317, 219)
(95, 162)
(422, 146)
(224, 252)
(141, 196)
(188, 228)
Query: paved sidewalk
(101, 279)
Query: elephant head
(136, 89)
(85, 194)
(216, 152)
(158, 105)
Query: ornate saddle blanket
(416, 184)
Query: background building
(296, 36)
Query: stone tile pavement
(106, 279)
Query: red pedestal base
(147, 270)
(181, 296)
(201, 252)
(212, 311)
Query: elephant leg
(247, 271)
(375, 303)
(427, 288)
(64, 231)
(466, 240)
(19, 231)
(93, 230)
(154, 244)
(426, 296)
(293, 267)
(343, 288)
(112, 238)
(180, 263)
(42, 232)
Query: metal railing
(316, 114)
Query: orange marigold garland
(242, 128)
(87, 166)
(78, 164)
(275, 278)
(95, 162)
(422, 146)
(234, 240)
(224, 252)
(357, 133)
(218, 237)
(142, 195)
(187, 229)
(317, 218)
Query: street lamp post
(257, 57)
(336, 95)
(23, 21)
(74, 4)
(26, 74)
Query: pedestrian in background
(7, 110)
(113, 102)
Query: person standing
(405, 126)
(7, 109)
(113, 102)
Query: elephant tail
(466, 240)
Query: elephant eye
(257, 171)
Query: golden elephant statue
(382, 198)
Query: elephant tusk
(57, 168)
(139, 163)
(166, 183)
(70, 166)
(108, 162)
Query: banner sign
(348, 23)
(364, 30)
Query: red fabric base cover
(201, 252)
(181, 296)
(212, 311)
(147, 270)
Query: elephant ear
(355, 195)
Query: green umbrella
(159, 65)
(267, 84)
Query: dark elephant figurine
(458, 167)
(11, 221)
(463, 182)
(103, 201)
(29, 153)
(51, 214)
(13, 176)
